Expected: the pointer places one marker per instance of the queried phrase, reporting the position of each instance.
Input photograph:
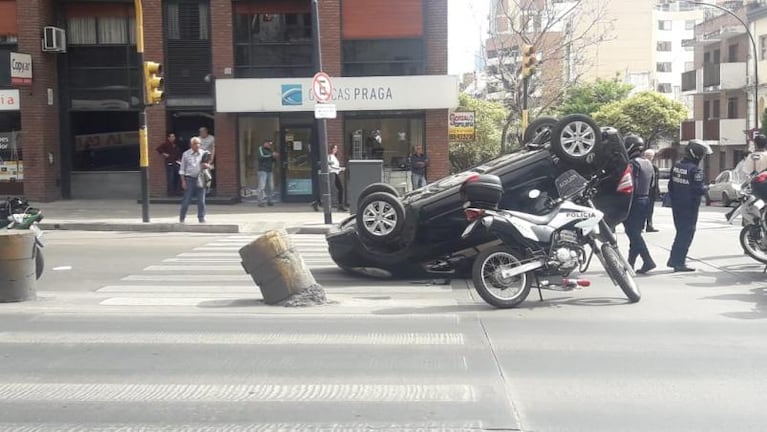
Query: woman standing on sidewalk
(334, 170)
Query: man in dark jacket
(686, 189)
(643, 178)
(418, 164)
(266, 159)
(171, 152)
(649, 155)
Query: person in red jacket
(171, 153)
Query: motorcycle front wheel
(490, 283)
(620, 274)
(39, 262)
(750, 237)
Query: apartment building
(721, 85)
(241, 68)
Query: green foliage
(588, 98)
(648, 114)
(764, 123)
(489, 120)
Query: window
(664, 46)
(664, 88)
(11, 156)
(101, 31)
(706, 110)
(688, 66)
(105, 141)
(716, 109)
(180, 15)
(663, 67)
(187, 48)
(763, 47)
(664, 25)
(391, 139)
(383, 57)
(732, 108)
(689, 25)
(732, 53)
(273, 45)
(688, 44)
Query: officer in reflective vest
(686, 189)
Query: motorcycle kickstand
(540, 293)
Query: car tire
(537, 126)
(376, 187)
(708, 199)
(380, 217)
(576, 138)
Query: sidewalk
(125, 215)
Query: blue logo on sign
(292, 94)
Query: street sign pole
(142, 131)
(321, 124)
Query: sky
(467, 23)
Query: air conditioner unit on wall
(54, 40)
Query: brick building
(241, 68)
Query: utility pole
(322, 129)
(151, 84)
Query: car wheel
(537, 127)
(376, 187)
(708, 199)
(576, 138)
(380, 217)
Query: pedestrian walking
(649, 155)
(643, 174)
(266, 160)
(194, 162)
(334, 170)
(171, 153)
(418, 164)
(756, 162)
(686, 189)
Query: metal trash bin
(362, 173)
(17, 266)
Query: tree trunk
(280, 272)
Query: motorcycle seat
(537, 220)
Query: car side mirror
(533, 194)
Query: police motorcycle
(751, 207)
(535, 247)
(16, 213)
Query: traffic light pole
(142, 131)
(525, 91)
(322, 129)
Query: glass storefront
(386, 137)
(11, 154)
(253, 132)
(105, 141)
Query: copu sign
(21, 69)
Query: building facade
(234, 67)
(721, 85)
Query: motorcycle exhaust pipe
(524, 268)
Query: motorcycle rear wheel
(749, 240)
(490, 283)
(620, 274)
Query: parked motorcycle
(549, 245)
(16, 213)
(751, 206)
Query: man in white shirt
(756, 162)
(208, 144)
(193, 164)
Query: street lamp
(756, 59)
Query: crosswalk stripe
(201, 260)
(213, 338)
(192, 268)
(345, 301)
(191, 289)
(104, 392)
(188, 278)
(435, 426)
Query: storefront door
(297, 159)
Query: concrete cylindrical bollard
(17, 266)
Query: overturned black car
(419, 234)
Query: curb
(142, 227)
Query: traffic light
(153, 82)
(529, 60)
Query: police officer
(640, 207)
(756, 162)
(686, 189)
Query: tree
(764, 123)
(588, 98)
(489, 118)
(648, 114)
(560, 32)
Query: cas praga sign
(415, 92)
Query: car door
(716, 188)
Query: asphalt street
(145, 332)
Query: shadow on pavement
(757, 296)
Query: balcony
(731, 131)
(687, 130)
(689, 81)
(725, 76)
